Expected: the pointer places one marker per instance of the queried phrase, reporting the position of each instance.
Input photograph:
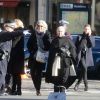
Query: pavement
(29, 93)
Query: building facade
(29, 11)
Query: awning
(9, 3)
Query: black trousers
(59, 88)
(83, 72)
(16, 84)
(8, 79)
(36, 74)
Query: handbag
(56, 65)
(42, 56)
(57, 96)
(72, 71)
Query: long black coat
(56, 44)
(16, 63)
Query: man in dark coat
(5, 47)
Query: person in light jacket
(84, 44)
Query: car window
(97, 42)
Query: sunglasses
(40, 26)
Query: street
(28, 91)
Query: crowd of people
(45, 51)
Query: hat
(63, 22)
(10, 23)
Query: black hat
(9, 21)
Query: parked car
(94, 70)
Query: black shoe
(19, 93)
(8, 90)
(13, 93)
(86, 89)
(3, 94)
(38, 93)
(62, 89)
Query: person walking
(6, 35)
(65, 49)
(39, 42)
(16, 63)
(84, 44)
(65, 24)
(8, 26)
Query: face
(9, 29)
(40, 27)
(60, 31)
(87, 30)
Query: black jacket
(16, 63)
(56, 46)
(33, 47)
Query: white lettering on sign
(68, 6)
(79, 6)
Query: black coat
(16, 63)
(56, 46)
(33, 47)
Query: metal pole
(93, 14)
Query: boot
(62, 89)
(38, 93)
(86, 87)
(19, 90)
(13, 91)
(76, 87)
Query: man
(6, 37)
(5, 47)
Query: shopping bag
(56, 66)
(72, 71)
(57, 96)
(42, 56)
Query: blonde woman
(39, 41)
(84, 44)
(16, 63)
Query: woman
(38, 41)
(16, 63)
(60, 45)
(84, 43)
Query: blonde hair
(43, 23)
(19, 23)
(87, 25)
